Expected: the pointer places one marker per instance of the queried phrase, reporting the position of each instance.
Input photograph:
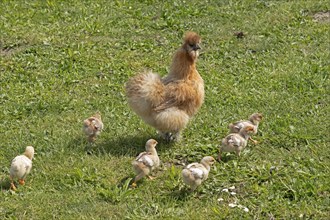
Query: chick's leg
(254, 141)
(21, 182)
(91, 138)
(192, 189)
(219, 155)
(151, 177)
(12, 185)
(137, 178)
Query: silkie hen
(168, 103)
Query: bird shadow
(182, 194)
(227, 158)
(4, 184)
(124, 181)
(130, 145)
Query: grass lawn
(61, 61)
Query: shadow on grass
(227, 158)
(4, 184)
(119, 146)
(183, 194)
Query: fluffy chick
(93, 126)
(146, 161)
(236, 142)
(195, 173)
(21, 166)
(254, 121)
(168, 103)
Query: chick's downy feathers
(168, 103)
(236, 142)
(93, 126)
(254, 121)
(195, 173)
(146, 161)
(21, 166)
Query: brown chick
(236, 142)
(93, 126)
(195, 173)
(254, 121)
(168, 103)
(146, 161)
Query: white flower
(224, 190)
(220, 199)
(232, 187)
(232, 205)
(245, 209)
(232, 193)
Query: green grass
(61, 61)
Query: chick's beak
(196, 47)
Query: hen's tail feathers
(144, 92)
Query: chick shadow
(227, 158)
(130, 145)
(183, 194)
(4, 184)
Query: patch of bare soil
(7, 50)
(322, 17)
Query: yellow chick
(254, 121)
(236, 142)
(21, 166)
(195, 173)
(93, 127)
(146, 161)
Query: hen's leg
(176, 136)
(166, 136)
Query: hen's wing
(178, 94)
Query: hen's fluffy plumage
(168, 103)
(195, 173)
(21, 166)
(93, 126)
(146, 161)
(236, 142)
